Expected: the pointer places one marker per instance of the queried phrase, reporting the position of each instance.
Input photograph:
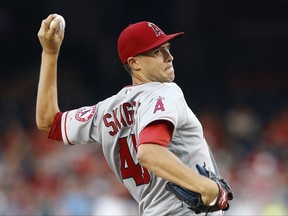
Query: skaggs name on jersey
(121, 116)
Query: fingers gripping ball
(58, 23)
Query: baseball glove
(194, 200)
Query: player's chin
(166, 78)
(170, 75)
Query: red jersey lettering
(107, 123)
(122, 116)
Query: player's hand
(211, 194)
(50, 41)
(195, 201)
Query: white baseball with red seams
(61, 24)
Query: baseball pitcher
(151, 139)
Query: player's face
(156, 64)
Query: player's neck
(139, 78)
(136, 81)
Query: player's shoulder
(172, 85)
(170, 88)
(152, 87)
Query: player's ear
(133, 63)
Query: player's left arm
(163, 163)
(154, 155)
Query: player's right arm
(47, 101)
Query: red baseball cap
(141, 37)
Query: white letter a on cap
(155, 28)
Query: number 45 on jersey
(129, 169)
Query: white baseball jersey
(116, 122)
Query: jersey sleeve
(77, 126)
(150, 134)
(167, 103)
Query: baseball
(61, 24)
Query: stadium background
(231, 65)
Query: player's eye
(168, 47)
(157, 52)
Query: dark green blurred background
(231, 65)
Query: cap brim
(161, 41)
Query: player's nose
(168, 56)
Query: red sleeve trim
(65, 129)
(55, 131)
(158, 132)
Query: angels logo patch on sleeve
(85, 113)
(159, 105)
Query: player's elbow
(142, 157)
(43, 124)
(146, 156)
(43, 127)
